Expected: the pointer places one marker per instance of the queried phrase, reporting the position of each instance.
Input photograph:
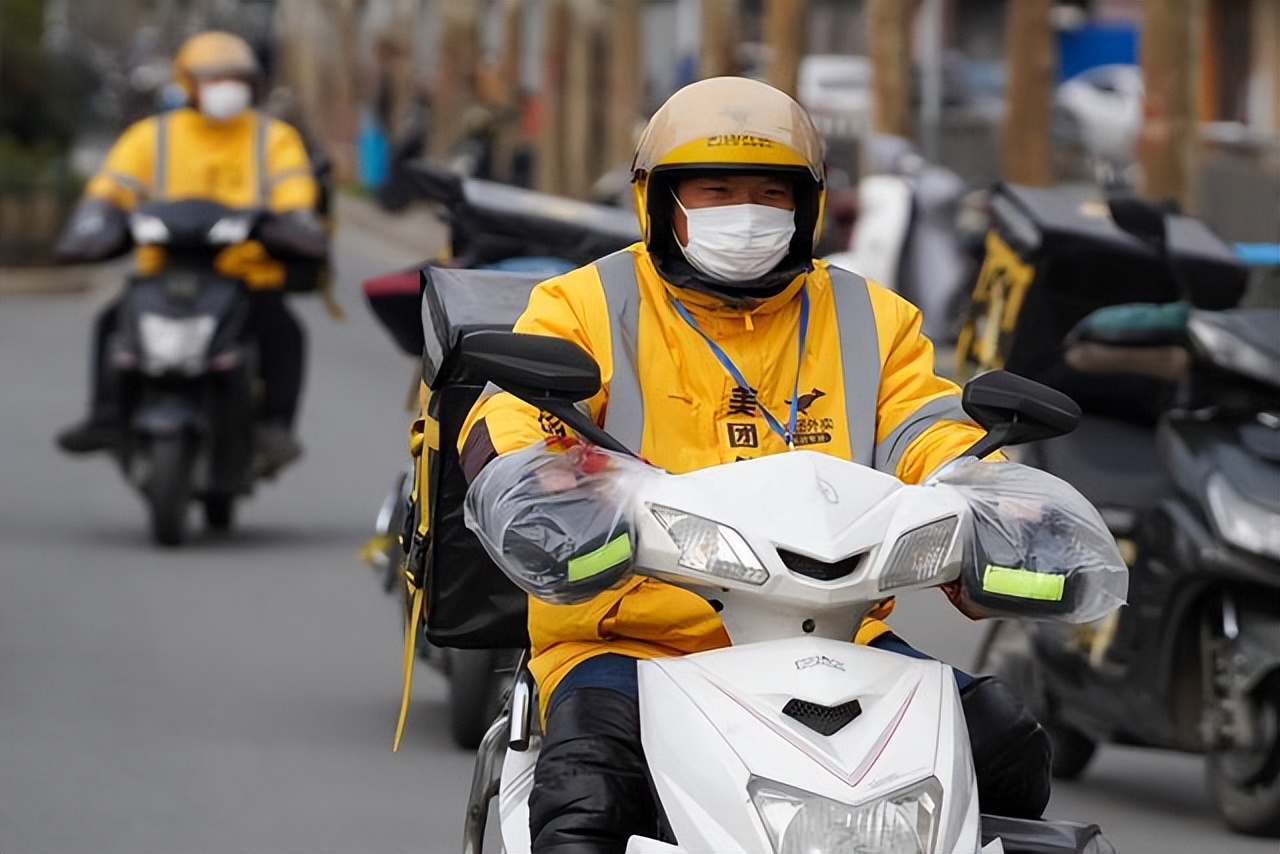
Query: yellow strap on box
(410, 651)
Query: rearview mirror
(1014, 410)
(548, 372)
(532, 367)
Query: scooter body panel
(169, 385)
(713, 722)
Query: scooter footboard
(1025, 836)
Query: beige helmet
(730, 123)
(213, 54)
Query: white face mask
(225, 99)
(737, 243)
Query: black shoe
(274, 448)
(89, 436)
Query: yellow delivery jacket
(249, 161)
(868, 393)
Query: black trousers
(592, 789)
(281, 345)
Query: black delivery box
(470, 603)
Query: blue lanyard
(787, 433)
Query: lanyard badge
(787, 433)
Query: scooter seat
(1113, 463)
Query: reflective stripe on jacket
(249, 161)
(867, 393)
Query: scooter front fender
(1255, 651)
(172, 415)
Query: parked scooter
(1194, 663)
(907, 236)
(793, 739)
(492, 227)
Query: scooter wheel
(219, 511)
(1247, 794)
(1072, 750)
(474, 691)
(169, 489)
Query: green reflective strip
(1023, 583)
(607, 556)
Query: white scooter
(793, 739)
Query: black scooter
(1193, 663)
(186, 365)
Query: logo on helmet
(739, 140)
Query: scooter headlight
(710, 547)
(175, 344)
(230, 230)
(1241, 522)
(147, 229)
(1231, 351)
(799, 822)
(918, 555)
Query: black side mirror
(550, 373)
(533, 367)
(1014, 410)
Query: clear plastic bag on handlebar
(1036, 547)
(556, 518)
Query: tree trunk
(342, 91)
(626, 81)
(1029, 55)
(306, 31)
(581, 114)
(455, 82)
(509, 95)
(1168, 143)
(397, 44)
(786, 34)
(889, 37)
(719, 54)
(551, 134)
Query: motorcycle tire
(1006, 654)
(169, 489)
(1251, 805)
(474, 694)
(219, 511)
(1072, 750)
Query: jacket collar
(682, 282)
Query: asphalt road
(239, 693)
